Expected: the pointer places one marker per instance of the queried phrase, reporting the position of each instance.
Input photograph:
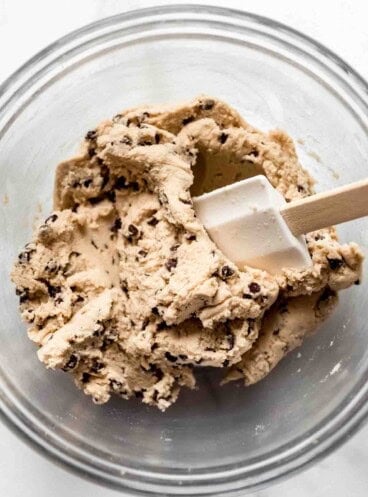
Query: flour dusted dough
(123, 288)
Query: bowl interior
(271, 86)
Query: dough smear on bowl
(123, 288)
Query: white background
(26, 26)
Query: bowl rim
(342, 423)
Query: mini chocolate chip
(157, 138)
(183, 357)
(326, 294)
(51, 219)
(87, 182)
(187, 120)
(95, 200)
(226, 272)
(191, 238)
(254, 153)
(357, 282)
(254, 287)
(138, 395)
(247, 296)
(171, 263)
(162, 326)
(91, 152)
(91, 135)
(133, 230)
(157, 372)
(335, 263)
(116, 226)
(170, 357)
(120, 183)
(25, 256)
(86, 377)
(24, 296)
(276, 332)
(53, 290)
(300, 188)
(142, 253)
(105, 174)
(124, 287)
(207, 105)
(111, 195)
(223, 137)
(226, 363)
(319, 237)
(115, 385)
(71, 364)
(153, 221)
(155, 311)
(97, 366)
(74, 254)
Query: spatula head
(244, 221)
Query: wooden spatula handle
(326, 209)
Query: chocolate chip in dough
(254, 287)
(71, 364)
(91, 135)
(170, 357)
(153, 221)
(51, 219)
(171, 263)
(223, 137)
(187, 120)
(226, 272)
(335, 263)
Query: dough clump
(121, 285)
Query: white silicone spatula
(252, 224)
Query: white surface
(232, 214)
(27, 26)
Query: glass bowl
(216, 440)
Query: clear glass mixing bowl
(217, 440)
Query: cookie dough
(123, 288)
